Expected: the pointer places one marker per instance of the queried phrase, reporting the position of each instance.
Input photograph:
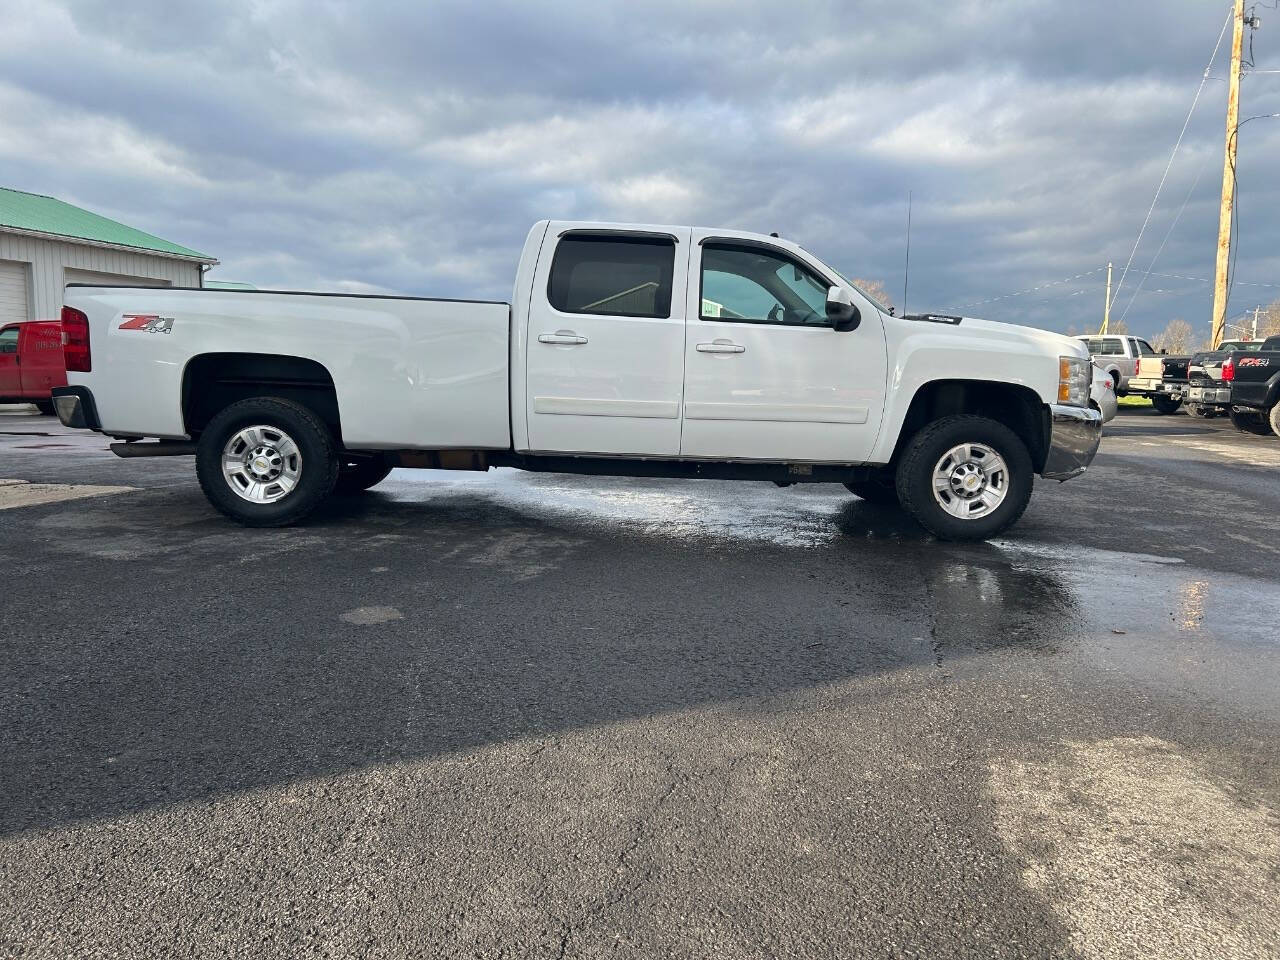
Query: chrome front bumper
(1074, 435)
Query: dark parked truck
(1208, 395)
(1255, 388)
(31, 363)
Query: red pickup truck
(31, 363)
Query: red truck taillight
(1229, 368)
(75, 341)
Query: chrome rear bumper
(1074, 435)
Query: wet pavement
(534, 715)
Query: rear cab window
(614, 275)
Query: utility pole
(1106, 307)
(1254, 336)
(1228, 178)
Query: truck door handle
(721, 346)
(561, 336)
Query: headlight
(1073, 381)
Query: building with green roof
(46, 243)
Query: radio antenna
(906, 266)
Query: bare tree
(875, 289)
(1175, 338)
(1117, 326)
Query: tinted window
(750, 284)
(618, 276)
(1144, 349)
(1107, 347)
(9, 340)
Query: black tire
(1165, 405)
(318, 465)
(880, 488)
(356, 476)
(1201, 412)
(1273, 419)
(924, 451)
(45, 407)
(1250, 421)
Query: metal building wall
(49, 259)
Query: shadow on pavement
(154, 654)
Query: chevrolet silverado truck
(1208, 395)
(1163, 379)
(1255, 388)
(626, 350)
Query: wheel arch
(213, 381)
(1018, 407)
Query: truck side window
(9, 340)
(612, 275)
(750, 284)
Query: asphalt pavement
(511, 715)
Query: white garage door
(71, 275)
(13, 292)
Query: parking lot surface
(533, 715)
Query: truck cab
(31, 363)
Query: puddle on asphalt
(1151, 615)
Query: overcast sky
(408, 146)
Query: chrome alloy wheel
(970, 480)
(261, 464)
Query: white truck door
(605, 356)
(766, 376)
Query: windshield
(882, 307)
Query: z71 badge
(146, 322)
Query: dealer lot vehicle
(1207, 394)
(626, 350)
(1163, 379)
(1255, 388)
(1118, 355)
(31, 363)
(1102, 394)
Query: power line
(1182, 133)
(1020, 293)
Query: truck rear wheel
(1165, 405)
(1273, 418)
(1250, 421)
(266, 462)
(355, 476)
(1201, 412)
(965, 478)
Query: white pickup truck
(627, 349)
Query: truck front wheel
(1273, 418)
(965, 478)
(1165, 405)
(266, 462)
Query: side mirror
(842, 313)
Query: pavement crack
(625, 891)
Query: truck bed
(409, 372)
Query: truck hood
(1039, 341)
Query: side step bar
(162, 448)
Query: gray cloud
(408, 146)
